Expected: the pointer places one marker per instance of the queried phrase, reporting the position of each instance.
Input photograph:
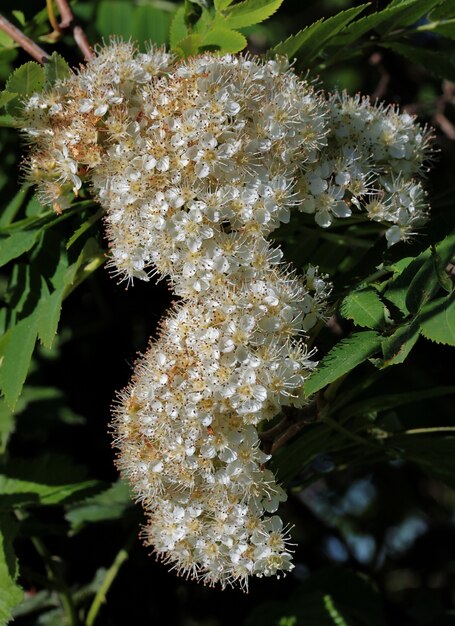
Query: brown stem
(24, 42)
(68, 22)
(294, 420)
(66, 14)
(83, 43)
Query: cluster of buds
(196, 162)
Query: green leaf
(222, 4)
(445, 10)
(51, 304)
(56, 69)
(150, 24)
(27, 79)
(364, 307)
(189, 46)
(410, 12)
(313, 38)
(12, 246)
(16, 349)
(250, 12)
(45, 480)
(397, 347)
(108, 505)
(7, 423)
(445, 30)
(5, 97)
(114, 17)
(223, 40)
(427, 279)
(437, 320)
(360, 27)
(84, 227)
(342, 358)
(7, 121)
(438, 63)
(12, 208)
(178, 30)
(10, 593)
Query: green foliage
(199, 26)
(344, 357)
(312, 39)
(10, 593)
(364, 307)
(56, 69)
(27, 79)
(107, 505)
(437, 320)
(395, 309)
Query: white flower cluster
(196, 163)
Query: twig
(111, 573)
(51, 15)
(292, 423)
(68, 22)
(24, 42)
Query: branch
(293, 422)
(68, 22)
(23, 41)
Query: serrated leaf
(437, 320)
(342, 358)
(16, 244)
(409, 12)
(249, 12)
(438, 63)
(5, 97)
(360, 27)
(189, 46)
(10, 211)
(16, 349)
(427, 281)
(45, 480)
(56, 69)
(309, 41)
(84, 227)
(10, 593)
(51, 304)
(178, 30)
(397, 347)
(364, 307)
(222, 4)
(223, 40)
(108, 505)
(150, 23)
(24, 81)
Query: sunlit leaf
(364, 307)
(342, 358)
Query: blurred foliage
(370, 479)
